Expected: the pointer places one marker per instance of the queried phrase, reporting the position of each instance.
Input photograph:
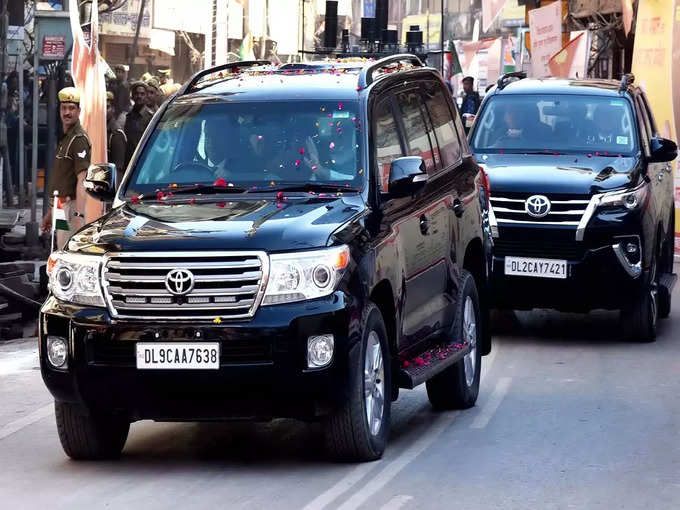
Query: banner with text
(656, 66)
(545, 26)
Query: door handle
(458, 208)
(424, 225)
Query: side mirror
(663, 150)
(100, 181)
(407, 176)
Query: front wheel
(88, 436)
(358, 428)
(639, 318)
(457, 387)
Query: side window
(444, 127)
(643, 124)
(387, 146)
(417, 139)
(650, 115)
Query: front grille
(228, 285)
(539, 247)
(115, 353)
(565, 210)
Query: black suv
(285, 243)
(582, 211)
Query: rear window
(562, 123)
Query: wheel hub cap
(470, 336)
(374, 383)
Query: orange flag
(560, 62)
(627, 10)
(88, 76)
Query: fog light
(630, 201)
(57, 351)
(631, 248)
(319, 350)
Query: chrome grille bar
(229, 285)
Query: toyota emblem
(537, 206)
(179, 282)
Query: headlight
(305, 275)
(75, 278)
(630, 199)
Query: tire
(347, 432)
(639, 319)
(457, 387)
(85, 436)
(665, 265)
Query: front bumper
(263, 363)
(598, 276)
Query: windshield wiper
(310, 186)
(203, 188)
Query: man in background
(471, 102)
(137, 119)
(115, 136)
(121, 92)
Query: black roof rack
(224, 67)
(509, 78)
(366, 75)
(626, 80)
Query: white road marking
(343, 485)
(396, 502)
(491, 405)
(27, 420)
(487, 362)
(394, 467)
(357, 474)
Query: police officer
(137, 119)
(70, 165)
(115, 136)
(121, 89)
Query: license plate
(540, 268)
(178, 355)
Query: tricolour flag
(59, 221)
(560, 62)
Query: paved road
(569, 416)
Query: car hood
(296, 223)
(564, 174)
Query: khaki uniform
(72, 158)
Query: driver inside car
(217, 131)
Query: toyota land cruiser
(582, 212)
(285, 243)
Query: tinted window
(252, 144)
(644, 124)
(387, 146)
(444, 127)
(412, 114)
(564, 123)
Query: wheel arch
(474, 262)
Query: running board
(417, 370)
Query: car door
(427, 239)
(665, 170)
(655, 171)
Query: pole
(135, 42)
(51, 138)
(441, 37)
(303, 27)
(32, 234)
(4, 28)
(21, 125)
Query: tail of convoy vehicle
(285, 243)
(582, 212)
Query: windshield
(253, 145)
(555, 123)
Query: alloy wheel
(470, 336)
(374, 383)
